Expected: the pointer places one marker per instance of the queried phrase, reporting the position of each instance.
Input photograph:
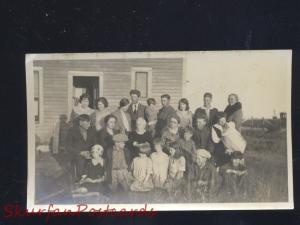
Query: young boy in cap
(118, 159)
(235, 179)
(204, 177)
(141, 168)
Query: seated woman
(94, 175)
(81, 108)
(184, 113)
(139, 136)
(123, 118)
(141, 167)
(105, 135)
(171, 133)
(97, 118)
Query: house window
(37, 77)
(141, 79)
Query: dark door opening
(86, 85)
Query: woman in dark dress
(94, 175)
(139, 136)
(105, 135)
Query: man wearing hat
(142, 170)
(235, 177)
(204, 177)
(118, 159)
(80, 138)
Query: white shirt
(207, 110)
(125, 121)
(135, 107)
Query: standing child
(94, 175)
(187, 145)
(160, 163)
(142, 170)
(118, 159)
(176, 169)
(188, 148)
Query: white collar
(218, 126)
(204, 107)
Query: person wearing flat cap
(118, 160)
(204, 177)
(235, 177)
(80, 138)
(141, 168)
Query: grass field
(265, 156)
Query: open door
(86, 85)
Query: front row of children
(180, 173)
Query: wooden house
(59, 83)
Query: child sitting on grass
(235, 179)
(176, 170)
(160, 163)
(204, 177)
(94, 174)
(142, 170)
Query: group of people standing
(138, 148)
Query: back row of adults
(128, 112)
(141, 123)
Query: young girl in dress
(176, 170)
(142, 170)
(94, 175)
(160, 163)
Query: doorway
(86, 85)
(90, 83)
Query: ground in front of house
(266, 159)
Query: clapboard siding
(166, 78)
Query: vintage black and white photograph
(177, 130)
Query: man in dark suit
(207, 110)
(80, 138)
(136, 109)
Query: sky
(260, 78)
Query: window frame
(41, 95)
(148, 70)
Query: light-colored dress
(151, 116)
(174, 183)
(232, 139)
(186, 118)
(160, 162)
(141, 167)
(79, 110)
(176, 165)
(97, 118)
